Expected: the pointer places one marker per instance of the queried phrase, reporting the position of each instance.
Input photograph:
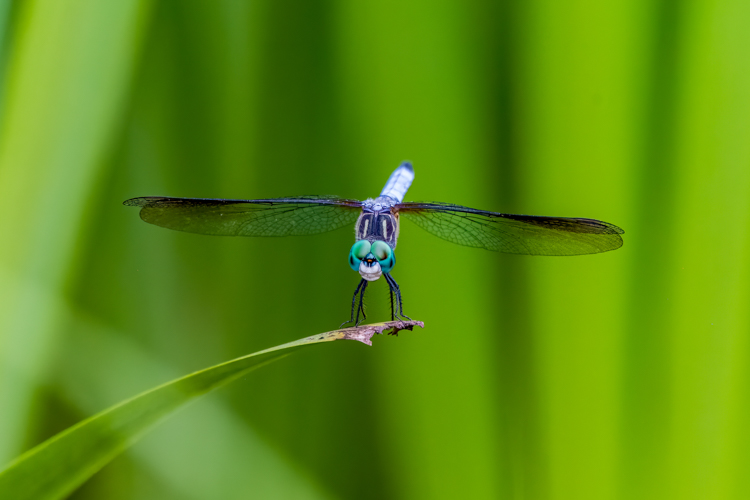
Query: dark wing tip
(145, 200)
(612, 227)
(136, 202)
(580, 225)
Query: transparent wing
(271, 217)
(519, 234)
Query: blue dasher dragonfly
(377, 223)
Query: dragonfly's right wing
(272, 217)
(510, 233)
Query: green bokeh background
(614, 376)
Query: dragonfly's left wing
(519, 234)
(271, 217)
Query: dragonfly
(377, 222)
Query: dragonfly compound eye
(358, 252)
(385, 255)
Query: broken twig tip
(364, 333)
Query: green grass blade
(59, 465)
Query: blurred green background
(614, 376)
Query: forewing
(271, 217)
(519, 234)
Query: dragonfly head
(372, 259)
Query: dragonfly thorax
(378, 222)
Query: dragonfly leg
(393, 312)
(361, 307)
(395, 288)
(354, 303)
(401, 305)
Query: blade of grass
(62, 463)
(225, 456)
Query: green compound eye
(358, 252)
(384, 253)
(381, 250)
(360, 249)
